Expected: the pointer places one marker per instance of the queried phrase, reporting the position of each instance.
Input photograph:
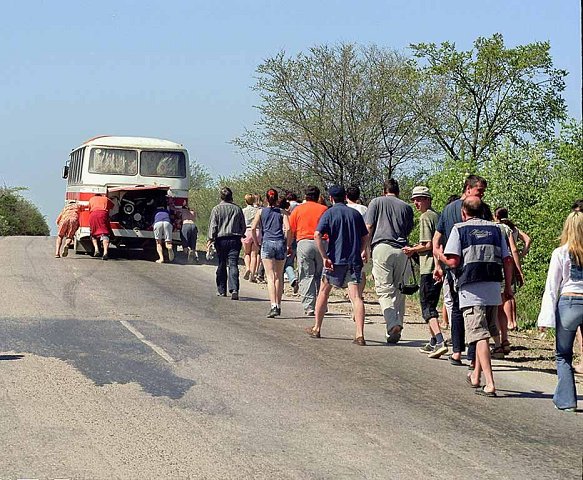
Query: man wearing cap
(389, 221)
(429, 289)
(343, 257)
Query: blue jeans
(289, 264)
(569, 315)
(228, 250)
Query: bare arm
(508, 271)
(452, 261)
(286, 228)
(437, 249)
(320, 246)
(526, 240)
(364, 248)
(516, 260)
(255, 226)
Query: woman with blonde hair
(250, 246)
(562, 306)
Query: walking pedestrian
(474, 185)
(226, 228)
(303, 222)
(250, 246)
(274, 223)
(67, 225)
(562, 306)
(478, 250)
(352, 201)
(99, 224)
(389, 221)
(429, 288)
(343, 257)
(288, 204)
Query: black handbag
(409, 288)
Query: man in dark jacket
(226, 228)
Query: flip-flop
(484, 393)
(469, 382)
(311, 332)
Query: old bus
(136, 174)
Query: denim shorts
(273, 249)
(342, 275)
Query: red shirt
(100, 203)
(304, 219)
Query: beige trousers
(388, 268)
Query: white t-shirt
(358, 207)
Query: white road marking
(159, 350)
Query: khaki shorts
(480, 322)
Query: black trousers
(458, 330)
(228, 251)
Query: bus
(136, 174)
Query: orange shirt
(304, 219)
(100, 203)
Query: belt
(188, 222)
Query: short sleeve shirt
(452, 214)
(427, 224)
(345, 228)
(304, 219)
(477, 293)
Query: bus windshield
(113, 161)
(162, 164)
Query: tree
(19, 216)
(472, 101)
(334, 114)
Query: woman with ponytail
(274, 225)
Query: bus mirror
(65, 171)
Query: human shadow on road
(529, 394)
(10, 357)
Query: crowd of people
(466, 255)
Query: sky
(183, 70)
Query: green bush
(18, 216)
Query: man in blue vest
(479, 249)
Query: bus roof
(132, 142)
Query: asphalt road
(127, 369)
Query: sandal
(482, 391)
(311, 332)
(359, 341)
(506, 348)
(57, 256)
(497, 353)
(469, 382)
